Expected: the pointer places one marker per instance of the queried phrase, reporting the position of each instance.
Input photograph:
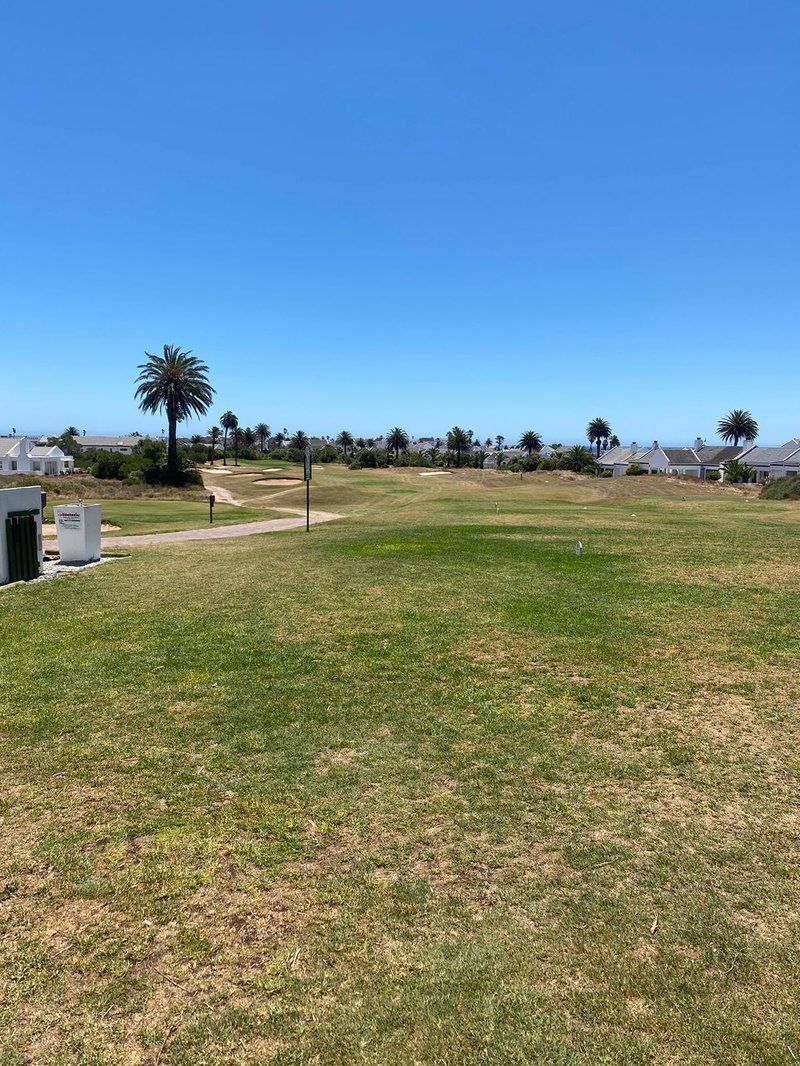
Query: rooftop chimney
(655, 444)
(698, 443)
(634, 446)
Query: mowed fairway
(420, 786)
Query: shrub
(635, 469)
(713, 475)
(607, 473)
(782, 488)
(738, 472)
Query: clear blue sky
(362, 214)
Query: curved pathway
(239, 529)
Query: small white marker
(579, 547)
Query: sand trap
(434, 473)
(272, 470)
(279, 481)
(49, 528)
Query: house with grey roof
(123, 444)
(618, 459)
(769, 463)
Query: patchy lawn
(419, 786)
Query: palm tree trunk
(172, 443)
(225, 448)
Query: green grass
(164, 516)
(419, 786)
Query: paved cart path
(240, 529)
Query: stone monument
(78, 532)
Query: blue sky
(502, 215)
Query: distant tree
(480, 457)
(345, 440)
(488, 442)
(238, 441)
(396, 441)
(737, 425)
(262, 432)
(279, 439)
(213, 435)
(499, 441)
(70, 431)
(299, 440)
(229, 422)
(433, 454)
(248, 437)
(531, 441)
(597, 431)
(177, 383)
(458, 441)
(614, 442)
(370, 442)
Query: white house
(19, 455)
(618, 459)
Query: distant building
(124, 445)
(773, 462)
(20, 455)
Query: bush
(713, 475)
(738, 472)
(635, 469)
(606, 473)
(327, 454)
(365, 457)
(782, 488)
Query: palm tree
(531, 441)
(299, 440)
(614, 442)
(433, 454)
(458, 441)
(480, 458)
(345, 440)
(396, 441)
(238, 440)
(228, 422)
(279, 439)
(177, 383)
(737, 425)
(578, 459)
(597, 431)
(70, 431)
(499, 441)
(262, 432)
(213, 433)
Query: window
(13, 464)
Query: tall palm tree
(280, 438)
(299, 440)
(597, 431)
(737, 425)
(70, 431)
(480, 458)
(458, 441)
(396, 441)
(262, 432)
(614, 442)
(213, 433)
(177, 383)
(531, 441)
(228, 422)
(238, 440)
(345, 440)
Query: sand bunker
(434, 473)
(279, 481)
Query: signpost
(307, 479)
(212, 499)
